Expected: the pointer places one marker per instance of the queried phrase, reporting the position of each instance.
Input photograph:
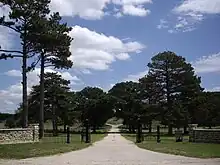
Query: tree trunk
(54, 121)
(94, 128)
(150, 127)
(185, 129)
(170, 129)
(133, 129)
(24, 83)
(41, 116)
(56, 127)
(129, 127)
(54, 118)
(64, 128)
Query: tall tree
(22, 16)
(53, 44)
(176, 80)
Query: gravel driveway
(113, 150)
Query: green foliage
(169, 93)
(10, 123)
(56, 90)
(4, 116)
(95, 105)
(206, 109)
(177, 83)
(52, 42)
(127, 103)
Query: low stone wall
(205, 135)
(19, 135)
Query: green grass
(48, 146)
(168, 145)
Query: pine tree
(177, 82)
(23, 15)
(53, 44)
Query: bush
(10, 123)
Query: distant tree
(10, 123)
(95, 105)
(23, 16)
(4, 116)
(206, 109)
(177, 82)
(56, 92)
(128, 105)
(69, 114)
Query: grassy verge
(48, 146)
(168, 145)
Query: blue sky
(115, 39)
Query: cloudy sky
(115, 39)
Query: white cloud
(135, 10)
(4, 10)
(123, 56)
(136, 77)
(97, 9)
(92, 50)
(6, 38)
(6, 35)
(131, 2)
(207, 64)
(186, 16)
(11, 97)
(86, 71)
(215, 89)
(13, 73)
(132, 7)
(199, 6)
(171, 31)
(86, 9)
(192, 12)
(118, 15)
(163, 24)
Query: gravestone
(179, 135)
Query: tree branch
(37, 61)
(20, 56)
(48, 65)
(4, 56)
(10, 51)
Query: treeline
(170, 93)
(64, 107)
(4, 116)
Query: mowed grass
(48, 146)
(168, 145)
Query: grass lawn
(48, 146)
(168, 145)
